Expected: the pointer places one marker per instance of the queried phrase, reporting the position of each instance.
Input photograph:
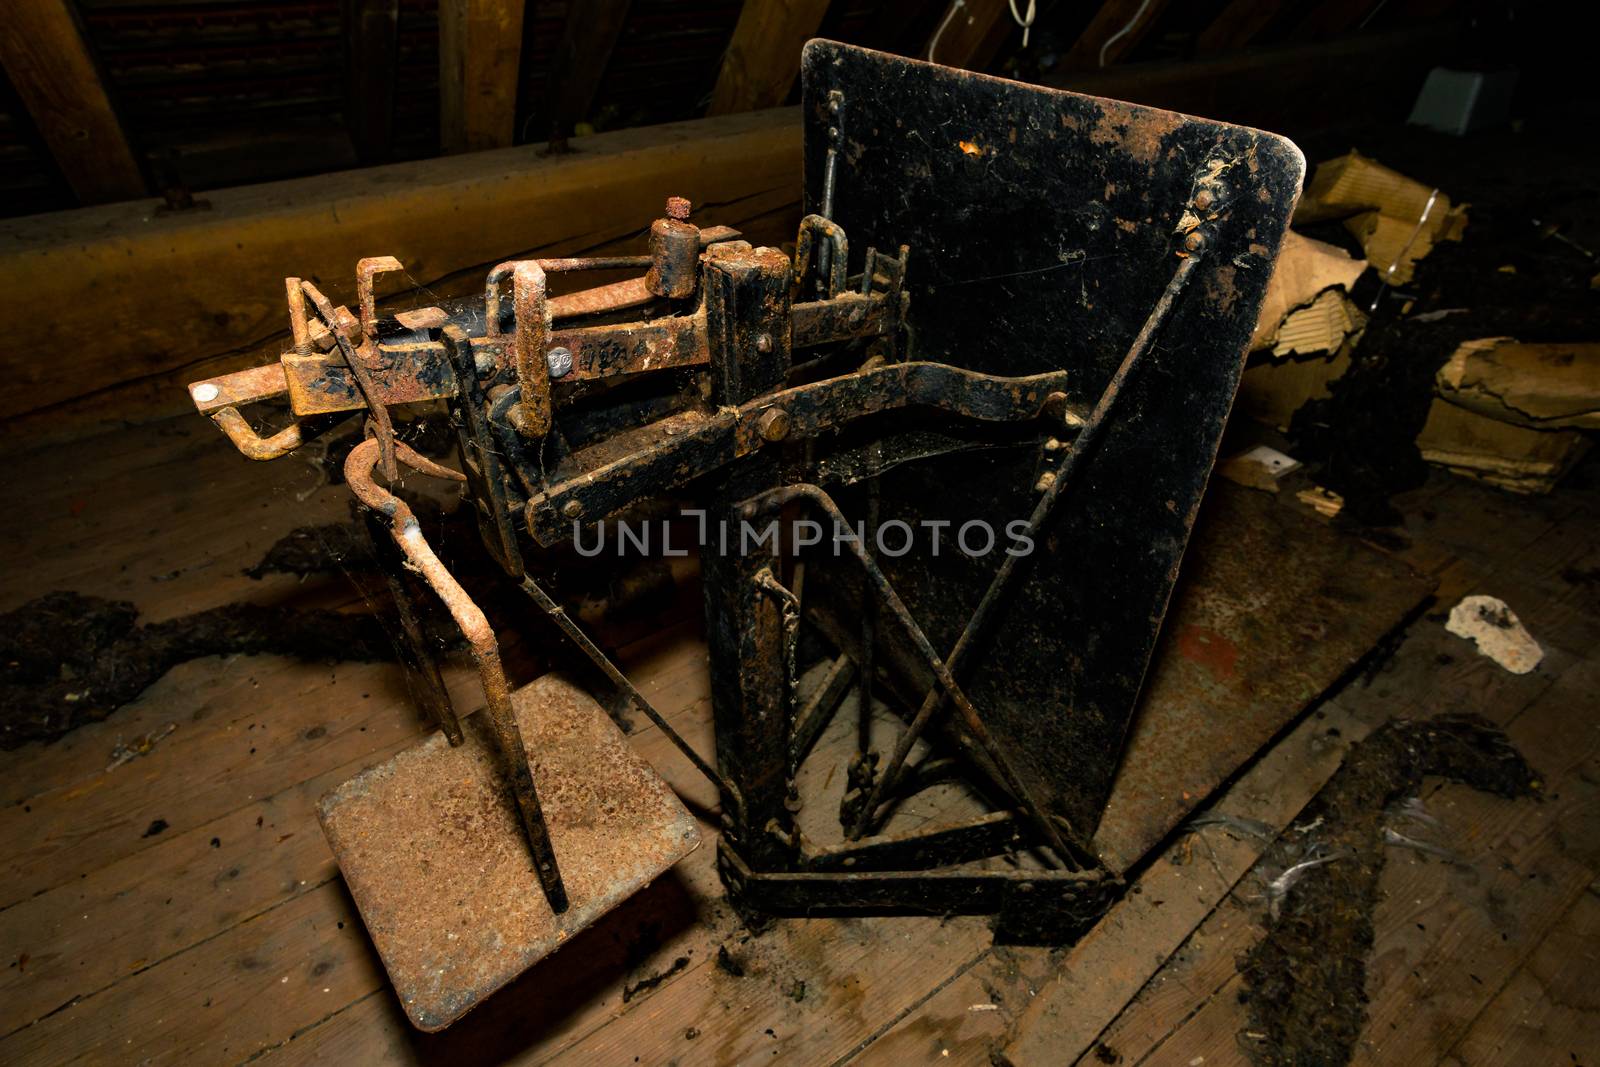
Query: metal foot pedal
(434, 852)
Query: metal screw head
(1202, 199)
(764, 343)
(206, 392)
(572, 509)
(559, 360)
(1195, 241)
(773, 424)
(678, 208)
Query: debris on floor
(67, 659)
(1310, 274)
(1397, 219)
(140, 746)
(1498, 633)
(1324, 502)
(1470, 349)
(1258, 468)
(1543, 387)
(1510, 414)
(1305, 981)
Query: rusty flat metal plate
(434, 855)
(1273, 609)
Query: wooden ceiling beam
(763, 58)
(480, 57)
(190, 294)
(48, 60)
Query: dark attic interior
(990, 532)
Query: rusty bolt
(678, 208)
(1195, 241)
(1202, 199)
(572, 509)
(764, 343)
(773, 424)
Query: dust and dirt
(67, 659)
(1305, 981)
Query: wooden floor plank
(222, 1000)
(301, 856)
(237, 740)
(185, 888)
(1105, 970)
(1549, 1012)
(1447, 935)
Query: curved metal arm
(474, 625)
(251, 444)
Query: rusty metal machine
(1006, 305)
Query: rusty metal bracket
(832, 264)
(366, 270)
(531, 328)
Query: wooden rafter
(587, 40)
(763, 58)
(370, 40)
(1236, 25)
(969, 33)
(1332, 17)
(50, 65)
(1116, 28)
(480, 54)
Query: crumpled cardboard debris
(1396, 219)
(1540, 386)
(1319, 327)
(1496, 630)
(1501, 454)
(1303, 311)
(1324, 502)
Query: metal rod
(363, 376)
(977, 625)
(562, 266)
(776, 498)
(819, 710)
(869, 635)
(559, 616)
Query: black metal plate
(1041, 230)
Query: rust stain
(1210, 649)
